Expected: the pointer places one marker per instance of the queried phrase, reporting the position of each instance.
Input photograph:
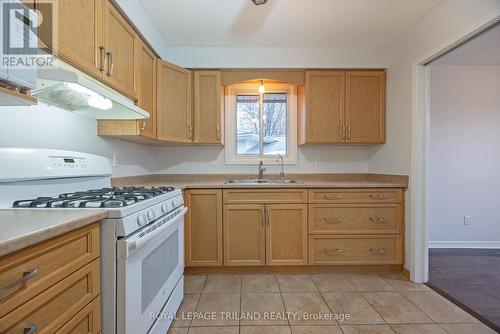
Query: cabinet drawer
(49, 263)
(355, 196)
(355, 218)
(265, 196)
(51, 309)
(355, 249)
(87, 321)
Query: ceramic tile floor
(258, 303)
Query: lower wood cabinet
(62, 294)
(203, 227)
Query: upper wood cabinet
(342, 107)
(146, 90)
(79, 32)
(208, 108)
(365, 106)
(173, 103)
(122, 45)
(203, 227)
(321, 107)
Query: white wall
(210, 159)
(464, 153)
(44, 126)
(447, 23)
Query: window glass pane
(247, 124)
(275, 124)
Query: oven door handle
(127, 247)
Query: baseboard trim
(465, 244)
(306, 269)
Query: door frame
(420, 161)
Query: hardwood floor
(470, 278)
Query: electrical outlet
(466, 220)
(316, 161)
(116, 160)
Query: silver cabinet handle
(332, 197)
(348, 132)
(190, 132)
(378, 251)
(110, 63)
(343, 132)
(267, 216)
(218, 132)
(102, 53)
(337, 220)
(379, 196)
(376, 220)
(143, 126)
(31, 329)
(27, 275)
(336, 252)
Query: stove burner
(95, 198)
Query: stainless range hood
(72, 90)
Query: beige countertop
(197, 181)
(21, 228)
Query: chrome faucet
(282, 174)
(262, 169)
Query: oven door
(149, 267)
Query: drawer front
(355, 219)
(355, 249)
(271, 196)
(356, 196)
(51, 309)
(48, 263)
(87, 321)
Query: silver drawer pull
(27, 275)
(333, 197)
(31, 329)
(376, 220)
(380, 196)
(336, 251)
(337, 220)
(378, 251)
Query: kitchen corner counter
(205, 181)
(21, 228)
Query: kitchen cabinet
(286, 237)
(173, 109)
(79, 38)
(138, 130)
(61, 289)
(337, 107)
(203, 227)
(365, 106)
(208, 108)
(122, 45)
(244, 235)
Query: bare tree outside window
(270, 114)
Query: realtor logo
(21, 27)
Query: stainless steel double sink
(261, 181)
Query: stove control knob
(142, 219)
(173, 204)
(164, 208)
(151, 215)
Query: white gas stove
(142, 240)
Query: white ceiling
(484, 49)
(284, 23)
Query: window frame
(231, 156)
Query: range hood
(72, 90)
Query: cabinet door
(286, 236)
(203, 227)
(365, 106)
(321, 104)
(173, 110)
(122, 45)
(146, 90)
(79, 32)
(244, 235)
(208, 104)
